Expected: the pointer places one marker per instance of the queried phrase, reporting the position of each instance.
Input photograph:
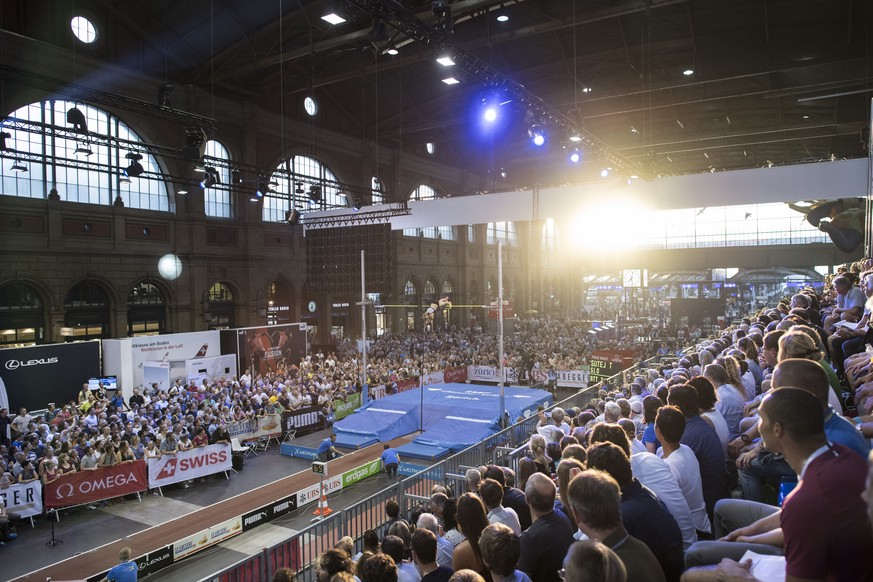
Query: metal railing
(300, 551)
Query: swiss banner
(101, 483)
(186, 465)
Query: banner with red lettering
(186, 465)
(97, 485)
(457, 374)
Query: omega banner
(32, 377)
(92, 486)
(185, 465)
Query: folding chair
(237, 447)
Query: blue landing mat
(425, 452)
(347, 440)
(454, 415)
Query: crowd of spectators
(755, 440)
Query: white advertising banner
(433, 378)
(156, 374)
(125, 357)
(25, 499)
(185, 465)
(216, 367)
(311, 493)
(572, 378)
(490, 374)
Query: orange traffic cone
(322, 508)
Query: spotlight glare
(450, 81)
(490, 114)
(537, 135)
(604, 173)
(502, 18)
(445, 61)
(333, 18)
(393, 51)
(575, 156)
(688, 72)
(575, 138)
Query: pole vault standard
(500, 319)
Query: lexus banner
(32, 377)
(186, 465)
(92, 486)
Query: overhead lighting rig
(436, 37)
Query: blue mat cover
(417, 451)
(455, 415)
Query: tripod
(53, 516)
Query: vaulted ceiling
(773, 82)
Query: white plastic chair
(237, 447)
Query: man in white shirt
(669, 427)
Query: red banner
(458, 374)
(91, 486)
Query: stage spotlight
(123, 179)
(195, 144)
(236, 177)
(299, 189)
(262, 186)
(537, 135)
(135, 168)
(76, 118)
(353, 201)
(164, 92)
(575, 156)
(292, 216)
(490, 114)
(83, 149)
(210, 178)
(314, 194)
(4, 135)
(18, 166)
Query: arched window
(315, 187)
(425, 192)
(86, 166)
(218, 306)
(550, 235)
(504, 231)
(217, 198)
(87, 311)
(146, 314)
(429, 289)
(448, 289)
(378, 190)
(409, 288)
(22, 318)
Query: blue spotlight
(490, 114)
(575, 156)
(537, 135)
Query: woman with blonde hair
(798, 343)
(538, 454)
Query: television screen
(108, 383)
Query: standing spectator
(492, 496)
(393, 546)
(445, 549)
(544, 544)
(5, 422)
(472, 520)
(512, 498)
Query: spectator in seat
(591, 561)
(501, 550)
(544, 544)
(424, 553)
(594, 500)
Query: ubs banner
(264, 348)
(34, 376)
